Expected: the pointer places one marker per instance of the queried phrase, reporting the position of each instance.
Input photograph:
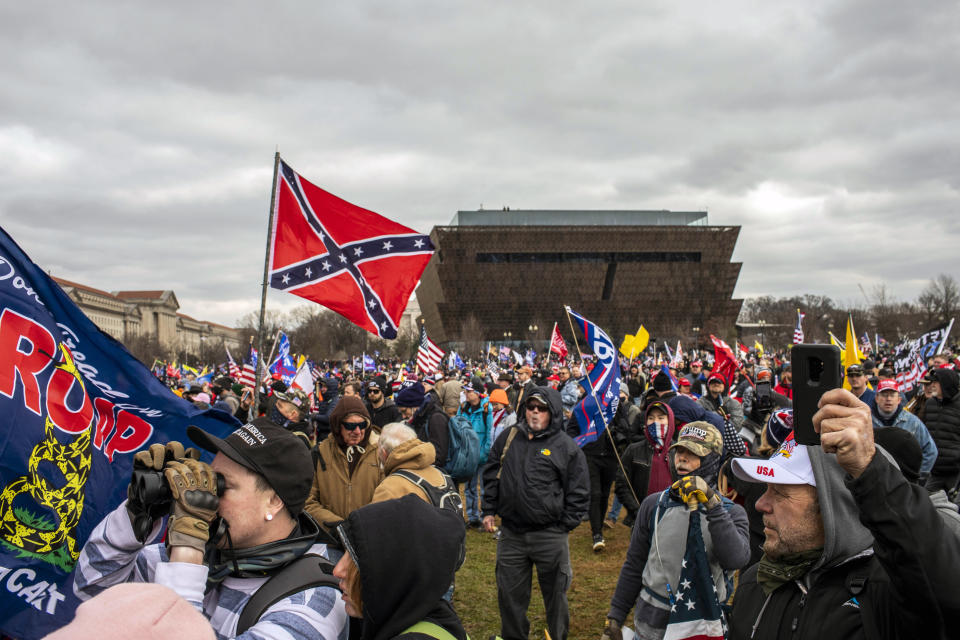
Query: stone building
(505, 276)
(129, 314)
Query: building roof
(141, 295)
(75, 285)
(576, 218)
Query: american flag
(429, 355)
(233, 369)
(798, 332)
(248, 375)
(695, 611)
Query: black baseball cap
(269, 450)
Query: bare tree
(940, 299)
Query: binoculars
(151, 489)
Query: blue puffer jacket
(481, 417)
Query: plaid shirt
(113, 555)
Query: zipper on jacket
(803, 599)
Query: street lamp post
(762, 324)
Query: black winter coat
(543, 482)
(942, 417)
(432, 425)
(908, 588)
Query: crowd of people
(857, 537)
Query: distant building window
(590, 256)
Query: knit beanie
(411, 396)
(662, 382)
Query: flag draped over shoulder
(598, 406)
(695, 612)
(351, 260)
(74, 407)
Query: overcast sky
(137, 139)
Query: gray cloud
(136, 141)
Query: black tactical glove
(143, 516)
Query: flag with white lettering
(74, 407)
(599, 405)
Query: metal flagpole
(946, 334)
(266, 281)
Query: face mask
(657, 433)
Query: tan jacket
(413, 455)
(335, 494)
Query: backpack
(463, 450)
(447, 497)
(307, 571)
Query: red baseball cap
(685, 382)
(887, 385)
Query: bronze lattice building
(498, 274)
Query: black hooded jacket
(942, 417)
(406, 552)
(543, 481)
(890, 568)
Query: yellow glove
(695, 491)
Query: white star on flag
(326, 266)
(686, 584)
(343, 258)
(388, 245)
(286, 278)
(418, 244)
(357, 251)
(372, 304)
(309, 272)
(691, 605)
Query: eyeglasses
(537, 407)
(352, 426)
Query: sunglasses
(537, 407)
(352, 426)
(372, 391)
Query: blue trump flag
(598, 406)
(284, 366)
(74, 407)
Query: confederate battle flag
(346, 258)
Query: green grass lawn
(594, 578)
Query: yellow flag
(633, 345)
(301, 360)
(851, 353)
(758, 347)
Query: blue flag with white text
(74, 407)
(598, 406)
(284, 366)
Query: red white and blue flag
(349, 259)
(695, 610)
(429, 356)
(598, 406)
(248, 375)
(798, 331)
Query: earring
(269, 516)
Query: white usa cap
(790, 464)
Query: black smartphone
(816, 370)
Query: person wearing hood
(648, 578)
(941, 415)
(685, 409)
(426, 417)
(647, 460)
(218, 549)
(852, 549)
(347, 471)
(536, 480)
(401, 556)
(887, 412)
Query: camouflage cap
(700, 438)
(296, 397)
